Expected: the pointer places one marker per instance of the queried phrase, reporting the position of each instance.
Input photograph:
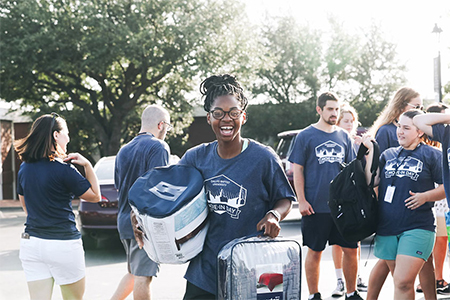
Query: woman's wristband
(275, 214)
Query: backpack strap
(375, 161)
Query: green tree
(98, 62)
(378, 74)
(340, 54)
(275, 118)
(290, 72)
(362, 68)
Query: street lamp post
(437, 64)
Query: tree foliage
(361, 68)
(268, 119)
(97, 62)
(290, 52)
(303, 61)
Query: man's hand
(138, 233)
(305, 208)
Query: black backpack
(353, 203)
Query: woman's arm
(22, 202)
(270, 222)
(425, 122)
(367, 142)
(418, 199)
(93, 193)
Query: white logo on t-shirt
(330, 152)
(225, 195)
(410, 167)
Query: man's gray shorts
(139, 264)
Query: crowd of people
(412, 178)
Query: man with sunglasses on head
(319, 150)
(146, 151)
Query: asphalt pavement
(106, 265)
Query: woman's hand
(93, 194)
(270, 225)
(78, 159)
(416, 200)
(367, 141)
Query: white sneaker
(360, 285)
(340, 289)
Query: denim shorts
(416, 243)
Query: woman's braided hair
(221, 85)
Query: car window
(105, 170)
(284, 146)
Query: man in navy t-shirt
(437, 127)
(146, 151)
(317, 155)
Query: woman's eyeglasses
(418, 106)
(219, 113)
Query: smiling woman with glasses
(51, 249)
(219, 114)
(245, 183)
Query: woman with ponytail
(51, 249)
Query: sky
(407, 23)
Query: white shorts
(62, 260)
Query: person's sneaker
(355, 296)
(360, 285)
(419, 288)
(340, 289)
(316, 296)
(442, 287)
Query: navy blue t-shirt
(48, 188)
(239, 191)
(408, 170)
(441, 133)
(141, 154)
(386, 137)
(321, 154)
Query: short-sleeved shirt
(239, 191)
(48, 188)
(141, 154)
(441, 133)
(321, 155)
(408, 170)
(386, 137)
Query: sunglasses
(418, 106)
